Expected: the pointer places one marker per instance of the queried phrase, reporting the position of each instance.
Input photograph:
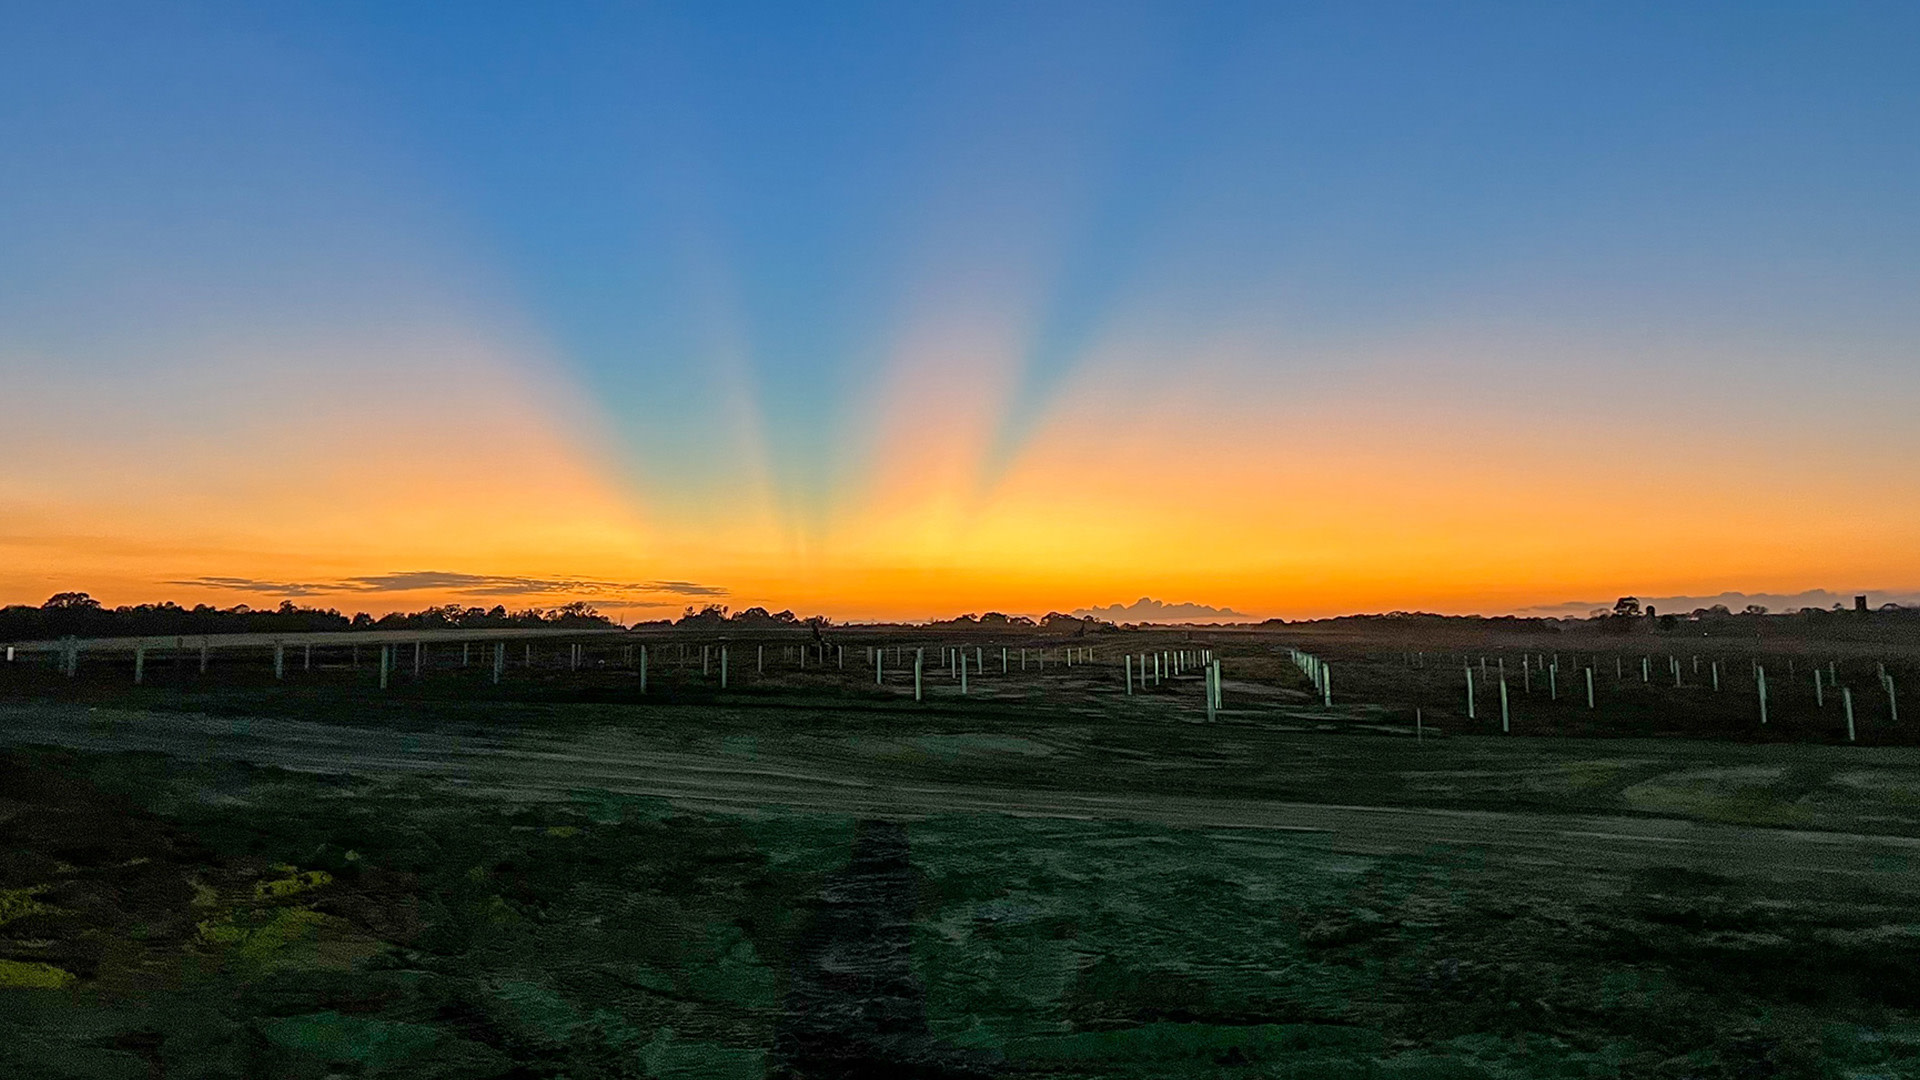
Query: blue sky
(721, 227)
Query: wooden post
(203, 656)
(1819, 694)
(1003, 659)
(1589, 686)
(279, 661)
(1213, 700)
(879, 667)
(704, 651)
(760, 660)
(1893, 702)
(1846, 698)
(1470, 715)
(723, 667)
(307, 663)
(1128, 661)
(140, 663)
(1553, 683)
(643, 669)
(1716, 676)
(919, 661)
(961, 655)
(1326, 682)
(386, 664)
(1760, 674)
(979, 660)
(526, 655)
(499, 661)
(1505, 727)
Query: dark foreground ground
(1042, 879)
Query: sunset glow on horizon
(913, 311)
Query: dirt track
(542, 766)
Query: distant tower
(1860, 602)
(1650, 612)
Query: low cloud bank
(470, 585)
(1147, 609)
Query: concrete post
(307, 663)
(1470, 714)
(1505, 726)
(418, 648)
(464, 653)
(1023, 659)
(1846, 698)
(1819, 694)
(1589, 686)
(1526, 674)
(840, 652)
(1127, 661)
(979, 660)
(643, 669)
(1646, 670)
(1553, 683)
(1003, 659)
(279, 661)
(1676, 671)
(962, 657)
(1760, 674)
(386, 664)
(1326, 682)
(879, 667)
(526, 656)
(723, 667)
(704, 650)
(140, 663)
(760, 659)
(919, 662)
(1716, 676)
(499, 661)
(203, 656)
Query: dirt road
(534, 765)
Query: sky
(907, 310)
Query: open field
(228, 874)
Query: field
(226, 874)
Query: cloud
(474, 585)
(1147, 609)
(1681, 605)
(274, 588)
